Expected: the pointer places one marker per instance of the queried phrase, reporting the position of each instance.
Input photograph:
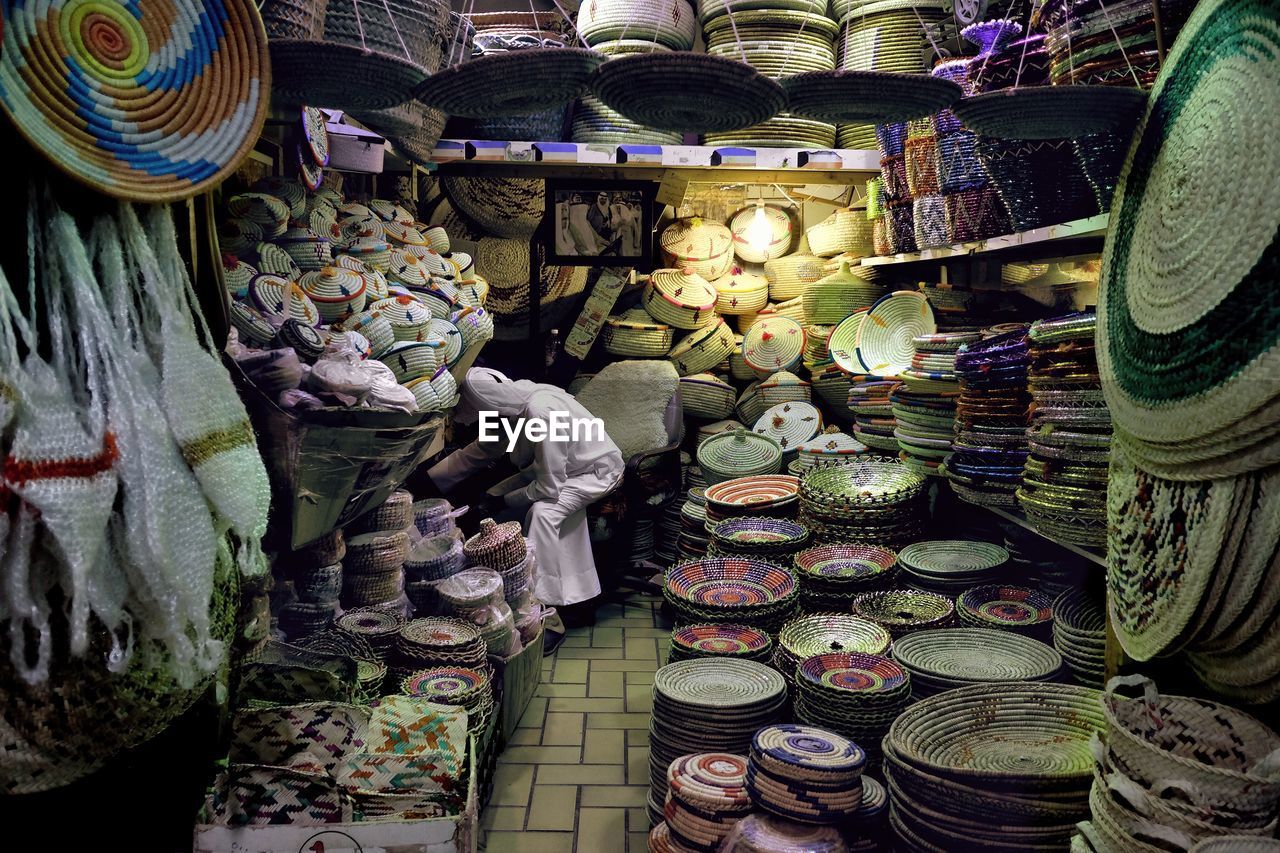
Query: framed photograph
(600, 223)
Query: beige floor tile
(621, 796)
(570, 671)
(541, 755)
(618, 721)
(511, 783)
(637, 737)
(606, 638)
(637, 820)
(656, 633)
(502, 818)
(639, 698)
(557, 691)
(642, 676)
(525, 737)
(607, 706)
(602, 830)
(602, 747)
(589, 654)
(529, 842)
(562, 730)
(552, 807)
(641, 648)
(637, 842)
(576, 641)
(638, 765)
(534, 714)
(605, 685)
(645, 666)
(581, 774)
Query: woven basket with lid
(831, 299)
(337, 292)
(784, 387)
(773, 344)
(703, 246)
(845, 230)
(703, 349)
(635, 333)
(496, 546)
(702, 395)
(788, 277)
(790, 424)
(739, 453)
(760, 233)
(740, 292)
(680, 298)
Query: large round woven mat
(154, 100)
(1051, 112)
(886, 337)
(341, 76)
(1180, 363)
(867, 96)
(517, 82)
(719, 683)
(503, 207)
(976, 654)
(686, 92)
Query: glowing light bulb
(759, 233)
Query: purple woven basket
(975, 214)
(891, 138)
(1040, 182)
(958, 165)
(902, 226)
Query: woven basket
(392, 27)
(740, 292)
(1058, 191)
(503, 207)
(845, 230)
(790, 276)
(670, 23)
(704, 396)
(496, 546)
(293, 19)
(636, 334)
(738, 454)
(703, 349)
(773, 344)
(702, 246)
(679, 298)
(830, 300)
(760, 233)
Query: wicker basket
(702, 246)
(636, 334)
(680, 298)
(846, 230)
(704, 349)
(788, 277)
(704, 396)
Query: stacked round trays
(773, 344)
(377, 627)
(682, 299)
(833, 385)
(885, 344)
(636, 334)
(459, 687)
(772, 539)
(772, 495)
(852, 694)
(1009, 608)
(496, 546)
(703, 349)
(702, 395)
(864, 501)
(670, 23)
(740, 293)
(905, 611)
(870, 400)
(760, 833)
(790, 425)
(924, 407)
(703, 247)
(992, 413)
(830, 300)
(948, 658)
(1080, 635)
(731, 455)
(438, 641)
(789, 277)
(706, 796)
(821, 633)
(739, 642)
(1064, 481)
(731, 590)
(372, 569)
(805, 774)
(973, 767)
(709, 703)
(694, 539)
(950, 566)
(832, 576)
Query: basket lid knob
(766, 336)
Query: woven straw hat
(503, 207)
(773, 344)
(703, 349)
(680, 298)
(845, 230)
(703, 246)
(131, 108)
(702, 395)
(760, 233)
(831, 299)
(788, 277)
(636, 334)
(740, 292)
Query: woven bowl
(902, 611)
(1010, 608)
(376, 553)
(732, 583)
(697, 245)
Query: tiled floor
(575, 777)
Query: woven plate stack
(864, 501)
(376, 626)
(947, 658)
(1080, 635)
(712, 703)
(694, 539)
(974, 767)
(706, 796)
(784, 387)
(731, 590)
(871, 401)
(852, 694)
(776, 41)
(373, 568)
(740, 642)
(991, 420)
(772, 539)
(772, 495)
(1064, 481)
(460, 687)
(905, 611)
(1009, 608)
(704, 396)
(832, 576)
(950, 566)
(1219, 757)
(436, 641)
(925, 406)
(805, 774)
(820, 633)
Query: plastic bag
(272, 370)
(384, 391)
(436, 517)
(435, 558)
(339, 375)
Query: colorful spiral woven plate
(754, 491)
(807, 748)
(1005, 606)
(721, 683)
(852, 672)
(885, 343)
(729, 582)
(760, 531)
(845, 561)
(709, 640)
(154, 100)
(444, 683)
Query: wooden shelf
(1021, 520)
(1091, 229)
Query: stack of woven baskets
(864, 501)
(731, 590)
(833, 576)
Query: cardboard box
(353, 149)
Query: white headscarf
(487, 390)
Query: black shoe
(580, 615)
(551, 642)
